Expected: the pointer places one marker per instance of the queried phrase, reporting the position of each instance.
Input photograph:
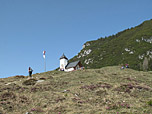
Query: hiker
(30, 72)
(127, 66)
(122, 67)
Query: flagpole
(44, 65)
(44, 61)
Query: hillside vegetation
(132, 46)
(108, 90)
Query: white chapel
(65, 66)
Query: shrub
(150, 103)
(8, 95)
(30, 82)
(19, 76)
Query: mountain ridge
(132, 46)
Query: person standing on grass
(30, 72)
(127, 66)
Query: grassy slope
(91, 91)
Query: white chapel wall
(70, 69)
(63, 63)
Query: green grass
(108, 90)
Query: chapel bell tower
(63, 62)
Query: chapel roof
(73, 64)
(63, 57)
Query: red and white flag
(44, 54)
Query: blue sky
(27, 27)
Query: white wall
(68, 70)
(63, 63)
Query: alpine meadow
(108, 90)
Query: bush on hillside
(150, 103)
(30, 82)
(8, 95)
(20, 76)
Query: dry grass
(92, 91)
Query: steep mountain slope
(132, 46)
(108, 90)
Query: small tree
(145, 64)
